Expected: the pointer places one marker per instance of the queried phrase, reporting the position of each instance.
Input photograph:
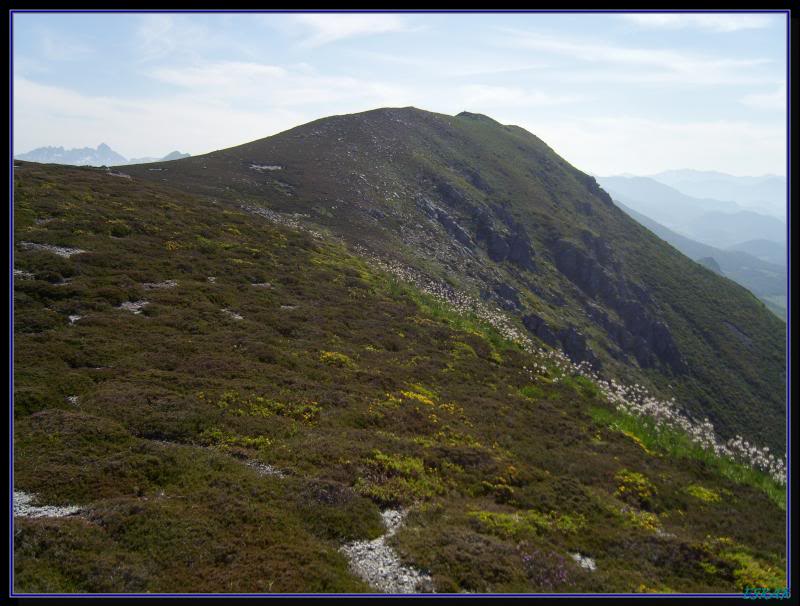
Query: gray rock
(24, 508)
(379, 565)
(61, 251)
(539, 327)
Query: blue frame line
(12, 12)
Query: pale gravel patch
(61, 251)
(262, 285)
(233, 314)
(262, 167)
(292, 221)
(74, 318)
(378, 564)
(72, 400)
(160, 285)
(265, 469)
(584, 562)
(24, 508)
(23, 275)
(134, 306)
(211, 279)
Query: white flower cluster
(630, 399)
(666, 414)
(459, 302)
(636, 401)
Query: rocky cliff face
(596, 273)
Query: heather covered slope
(264, 349)
(494, 211)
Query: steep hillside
(496, 213)
(207, 401)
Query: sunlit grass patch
(393, 479)
(335, 358)
(703, 494)
(524, 524)
(677, 445)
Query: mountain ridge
(494, 209)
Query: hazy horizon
(612, 93)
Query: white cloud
(50, 115)
(270, 85)
(462, 65)
(178, 37)
(55, 46)
(619, 144)
(215, 106)
(631, 64)
(775, 100)
(479, 96)
(715, 22)
(331, 27)
(231, 75)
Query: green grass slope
(446, 194)
(260, 344)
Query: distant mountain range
(86, 156)
(715, 222)
(766, 250)
(765, 194)
(766, 280)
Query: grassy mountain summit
(493, 211)
(228, 401)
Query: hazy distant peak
(103, 155)
(175, 155)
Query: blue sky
(612, 93)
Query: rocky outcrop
(594, 188)
(451, 195)
(572, 342)
(427, 206)
(376, 214)
(652, 337)
(574, 345)
(509, 296)
(521, 250)
(539, 327)
(516, 248)
(450, 225)
(453, 228)
(590, 276)
(475, 179)
(641, 334)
